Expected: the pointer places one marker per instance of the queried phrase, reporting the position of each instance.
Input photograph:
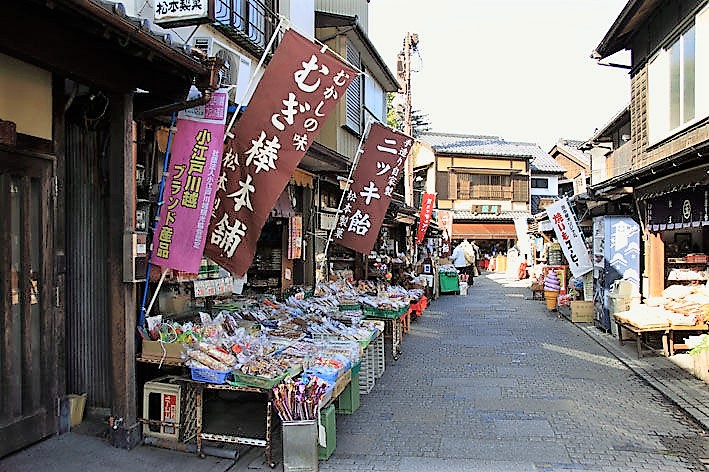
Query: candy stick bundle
(296, 401)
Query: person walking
(470, 260)
(458, 259)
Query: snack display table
(265, 442)
(394, 330)
(674, 329)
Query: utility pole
(411, 41)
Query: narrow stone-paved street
(493, 381)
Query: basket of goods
(208, 363)
(263, 372)
(552, 285)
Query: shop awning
(484, 231)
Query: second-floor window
(491, 187)
(250, 19)
(677, 84)
(540, 183)
(353, 95)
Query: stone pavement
(491, 381)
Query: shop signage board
(298, 90)
(191, 184)
(681, 209)
(445, 222)
(570, 237)
(171, 13)
(427, 202)
(365, 203)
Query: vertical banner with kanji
(191, 185)
(365, 204)
(570, 237)
(445, 222)
(295, 237)
(427, 202)
(300, 87)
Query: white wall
(302, 14)
(551, 190)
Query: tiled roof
(482, 145)
(477, 145)
(543, 162)
(159, 33)
(571, 147)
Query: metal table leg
(198, 401)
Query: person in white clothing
(458, 258)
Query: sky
(518, 69)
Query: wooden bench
(669, 347)
(640, 334)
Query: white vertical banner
(570, 237)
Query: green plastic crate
(348, 401)
(327, 418)
(382, 312)
(449, 283)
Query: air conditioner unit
(236, 70)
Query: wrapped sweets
(217, 353)
(206, 360)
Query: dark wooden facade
(68, 319)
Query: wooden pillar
(122, 298)
(654, 264)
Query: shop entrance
(28, 353)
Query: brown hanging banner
(373, 181)
(298, 90)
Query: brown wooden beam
(655, 267)
(95, 60)
(122, 305)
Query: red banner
(445, 222)
(298, 90)
(427, 201)
(373, 182)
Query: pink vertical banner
(188, 196)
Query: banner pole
(268, 47)
(157, 291)
(355, 161)
(141, 318)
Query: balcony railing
(249, 23)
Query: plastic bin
(77, 403)
(449, 282)
(349, 399)
(328, 422)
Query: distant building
(569, 154)
(484, 180)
